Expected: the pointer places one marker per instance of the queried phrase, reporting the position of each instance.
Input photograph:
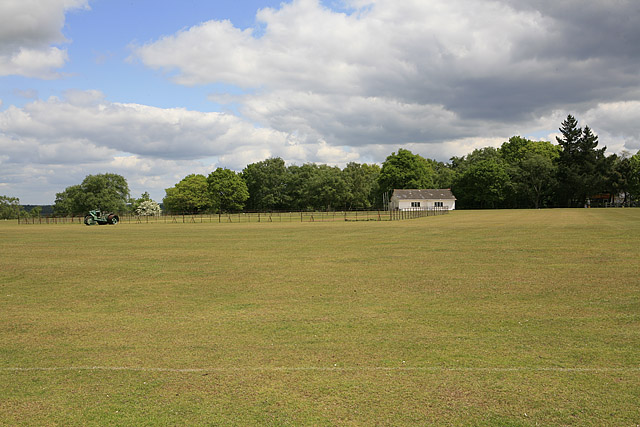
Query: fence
(252, 217)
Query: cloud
(616, 124)
(28, 29)
(314, 84)
(389, 72)
(85, 116)
(83, 133)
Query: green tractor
(97, 217)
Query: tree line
(521, 173)
(533, 174)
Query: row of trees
(520, 174)
(531, 174)
(270, 185)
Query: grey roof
(424, 194)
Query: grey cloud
(63, 140)
(86, 119)
(28, 29)
(485, 65)
(582, 30)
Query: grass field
(472, 318)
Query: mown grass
(473, 318)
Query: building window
(438, 204)
(415, 204)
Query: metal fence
(252, 217)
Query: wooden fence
(252, 217)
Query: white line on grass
(327, 368)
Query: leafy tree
(362, 185)
(227, 190)
(298, 187)
(35, 212)
(107, 192)
(70, 201)
(405, 170)
(483, 183)
(445, 174)
(267, 183)
(326, 188)
(531, 167)
(188, 196)
(534, 178)
(517, 148)
(620, 175)
(9, 207)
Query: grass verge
(472, 318)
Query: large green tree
(299, 189)
(534, 178)
(405, 170)
(444, 174)
(190, 195)
(327, 188)
(620, 175)
(485, 183)
(482, 179)
(227, 190)
(70, 201)
(107, 192)
(9, 207)
(361, 185)
(267, 184)
(532, 169)
(517, 148)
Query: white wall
(405, 204)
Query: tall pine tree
(581, 166)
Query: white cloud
(28, 31)
(33, 63)
(132, 128)
(419, 72)
(308, 47)
(83, 133)
(440, 77)
(335, 155)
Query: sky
(155, 90)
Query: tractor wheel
(89, 220)
(113, 219)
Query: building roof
(424, 194)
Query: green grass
(491, 318)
